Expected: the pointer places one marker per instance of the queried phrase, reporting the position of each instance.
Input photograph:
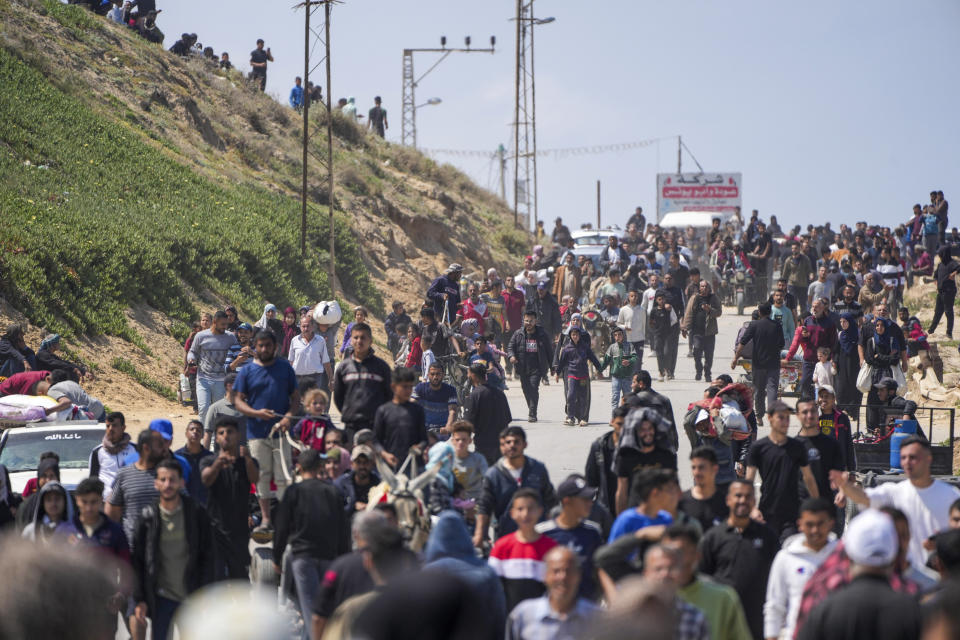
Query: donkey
(406, 496)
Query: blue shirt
(296, 96)
(535, 619)
(583, 540)
(631, 520)
(267, 387)
(436, 404)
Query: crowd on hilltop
(419, 503)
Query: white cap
(871, 539)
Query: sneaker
(583, 423)
(661, 378)
(669, 376)
(532, 419)
(699, 377)
(568, 421)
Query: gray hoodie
(41, 526)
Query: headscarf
(883, 340)
(262, 322)
(442, 454)
(49, 341)
(849, 337)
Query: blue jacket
(499, 487)
(345, 484)
(296, 97)
(450, 550)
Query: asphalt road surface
(564, 449)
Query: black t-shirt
(258, 56)
(397, 427)
(779, 468)
(376, 115)
(760, 244)
(823, 454)
(767, 337)
(363, 490)
(345, 577)
(708, 512)
(631, 460)
(228, 501)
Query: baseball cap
(361, 450)
(542, 285)
(828, 389)
(886, 383)
(575, 486)
(163, 426)
(246, 326)
(363, 436)
(871, 539)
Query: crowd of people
(622, 543)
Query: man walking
(312, 522)
(739, 553)
(258, 65)
(208, 352)
(530, 352)
(172, 553)
(228, 477)
(797, 271)
(766, 337)
(133, 487)
(489, 412)
(266, 392)
(377, 118)
(633, 320)
(361, 383)
(309, 357)
(700, 323)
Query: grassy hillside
(128, 176)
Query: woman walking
(848, 366)
(881, 353)
(574, 361)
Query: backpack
(931, 225)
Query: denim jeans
(306, 577)
(618, 386)
(208, 392)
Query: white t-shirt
(928, 510)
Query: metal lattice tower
(317, 35)
(525, 122)
(408, 135)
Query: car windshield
(594, 240)
(22, 450)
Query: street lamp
(430, 102)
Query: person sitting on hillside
(47, 359)
(184, 45)
(225, 63)
(15, 355)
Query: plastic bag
(901, 380)
(865, 378)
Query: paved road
(564, 449)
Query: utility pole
(525, 116)
(309, 6)
(679, 155)
(598, 205)
(502, 153)
(408, 121)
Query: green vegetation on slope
(95, 219)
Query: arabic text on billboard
(698, 192)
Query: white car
(20, 450)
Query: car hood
(69, 478)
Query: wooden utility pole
(333, 269)
(306, 130)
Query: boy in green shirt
(620, 356)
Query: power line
(561, 153)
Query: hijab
(883, 339)
(850, 336)
(262, 322)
